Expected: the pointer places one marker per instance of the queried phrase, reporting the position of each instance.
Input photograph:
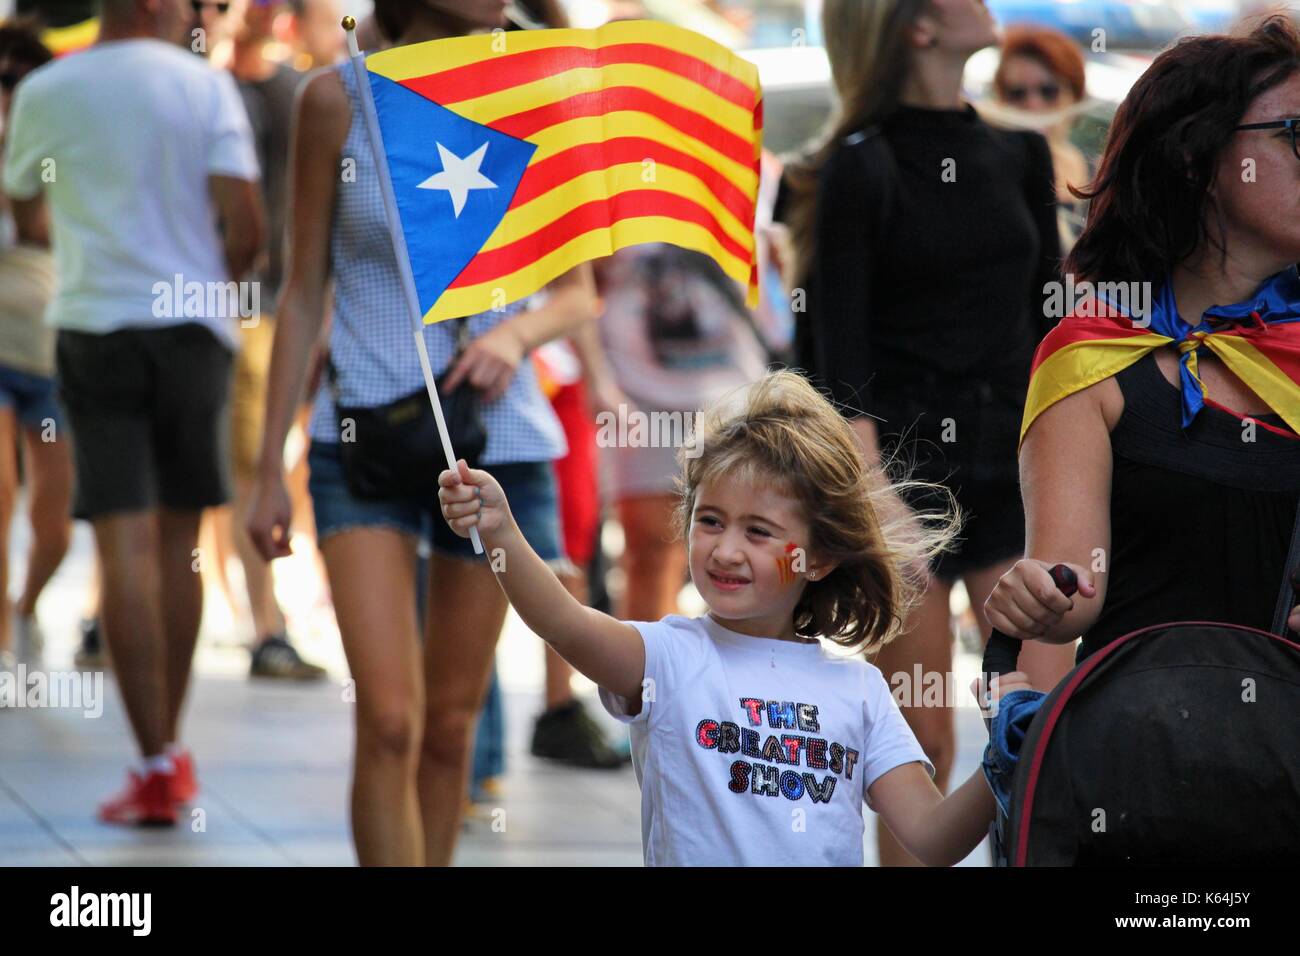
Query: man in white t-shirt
(139, 157)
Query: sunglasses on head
(1048, 92)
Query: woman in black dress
(924, 239)
(1198, 192)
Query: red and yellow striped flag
(637, 132)
(1087, 347)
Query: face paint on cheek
(785, 563)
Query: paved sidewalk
(273, 763)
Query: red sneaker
(185, 787)
(146, 801)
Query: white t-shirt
(122, 138)
(753, 751)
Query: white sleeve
(230, 150)
(22, 153)
(890, 741)
(657, 677)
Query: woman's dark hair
(20, 41)
(1150, 197)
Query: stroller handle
(1002, 652)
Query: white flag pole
(399, 243)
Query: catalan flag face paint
(516, 156)
(786, 564)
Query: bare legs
(654, 564)
(372, 577)
(49, 481)
(466, 611)
(152, 599)
(415, 709)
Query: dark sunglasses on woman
(222, 6)
(1049, 92)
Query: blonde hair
(869, 57)
(780, 430)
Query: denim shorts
(34, 398)
(529, 486)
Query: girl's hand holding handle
(471, 498)
(1026, 602)
(1000, 686)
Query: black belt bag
(394, 450)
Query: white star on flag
(459, 176)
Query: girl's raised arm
(605, 650)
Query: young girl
(752, 742)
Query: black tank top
(1200, 519)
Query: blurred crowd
(202, 144)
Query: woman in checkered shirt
(416, 706)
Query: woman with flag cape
(1161, 472)
(1159, 456)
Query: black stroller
(1177, 744)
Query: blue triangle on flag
(418, 135)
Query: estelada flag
(516, 156)
(1258, 340)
